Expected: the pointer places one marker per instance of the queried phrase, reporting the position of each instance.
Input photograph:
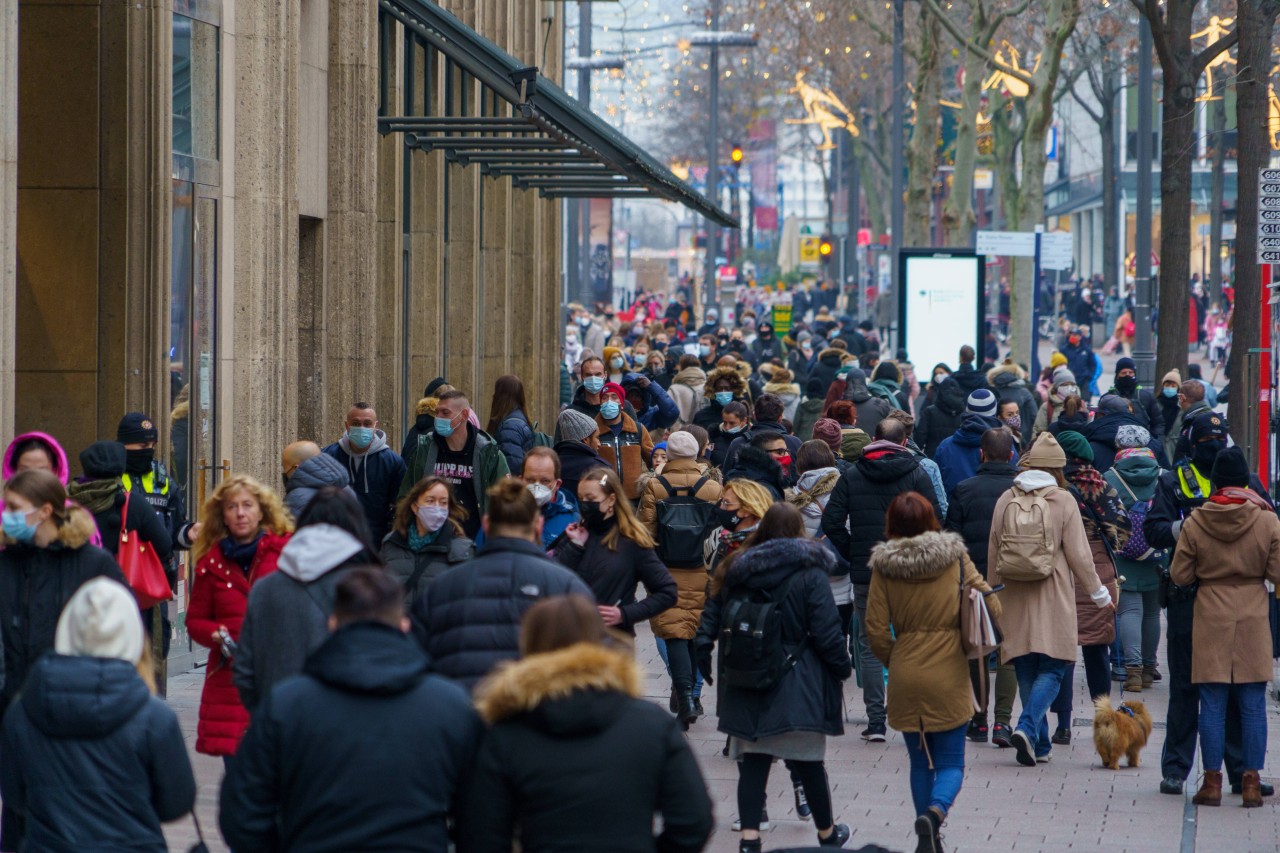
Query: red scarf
(1232, 495)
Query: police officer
(147, 476)
(1178, 493)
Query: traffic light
(826, 249)
(736, 155)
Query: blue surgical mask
(16, 527)
(731, 430)
(610, 409)
(1170, 392)
(360, 437)
(444, 427)
(724, 398)
(593, 384)
(704, 349)
(616, 363)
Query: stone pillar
(264, 317)
(8, 211)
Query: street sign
(1266, 229)
(781, 321)
(1268, 257)
(1268, 216)
(1010, 244)
(1269, 243)
(1055, 251)
(983, 179)
(809, 253)
(864, 236)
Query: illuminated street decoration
(818, 107)
(1218, 27)
(1005, 76)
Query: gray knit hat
(575, 426)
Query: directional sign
(1268, 257)
(1269, 243)
(1009, 244)
(1268, 216)
(1055, 251)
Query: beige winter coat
(1229, 549)
(686, 390)
(1040, 616)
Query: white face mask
(1066, 391)
(541, 494)
(432, 517)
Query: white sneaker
(1046, 758)
(764, 822)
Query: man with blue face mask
(375, 469)
(587, 398)
(462, 453)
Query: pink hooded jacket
(61, 468)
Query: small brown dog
(1120, 731)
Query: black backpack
(683, 522)
(752, 654)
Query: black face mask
(1126, 384)
(728, 518)
(1205, 453)
(593, 518)
(138, 462)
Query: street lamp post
(898, 145)
(1144, 354)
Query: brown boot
(1133, 680)
(1210, 793)
(1148, 675)
(1251, 787)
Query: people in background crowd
(426, 537)
(374, 469)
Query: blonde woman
(742, 504)
(613, 552)
(245, 527)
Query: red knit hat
(613, 388)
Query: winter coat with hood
(288, 614)
(941, 418)
(312, 476)
(659, 410)
(810, 496)
(628, 450)
(1146, 409)
(913, 628)
(680, 621)
(515, 437)
(469, 621)
(958, 456)
(973, 505)
(1101, 432)
(417, 569)
(758, 466)
(489, 463)
(808, 697)
(317, 770)
(576, 459)
(1108, 528)
(614, 573)
(1052, 407)
(852, 442)
(1009, 383)
(854, 517)
(220, 597)
(1134, 479)
(35, 584)
(969, 379)
(871, 409)
(1040, 616)
(1230, 545)
(104, 497)
(770, 428)
(827, 365)
(808, 412)
(93, 761)
(788, 393)
(375, 477)
(578, 704)
(687, 389)
(8, 467)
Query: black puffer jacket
(862, 497)
(35, 584)
(435, 559)
(576, 459)
(92, 761)
(759, 467)
(970, 379)
(317, 770)
(613, 576)
(1101, 433)
(807, 698)
(538, 778)
(871, 409)
(973, 505)
(469, 621)
(942, 417)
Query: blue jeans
(1252, 699)
(940, 785)
(1039, 679)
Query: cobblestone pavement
(1069, 804)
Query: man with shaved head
(306, 471)
(375, 469)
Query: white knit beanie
(101, 620)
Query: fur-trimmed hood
(426, 406)
(918, 558)
(768, 565)
(532, 684)
(739, 382)
(1007, 367)
(782, 389)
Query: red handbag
(141, 566)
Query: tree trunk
(1108, 132)
(957, 213)
(1256, 21)
(1177, 151)
(1213, 278)
(922, 150)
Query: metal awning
(517, 123)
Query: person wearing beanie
(577, 447)
(615, 365)
(1063, 388)
(943, 412)
(1170, 411)
(1227, 547)
(1078, 349)
(1117, 426)
(89, 753)
(959, 456)
(1057, 360)
(100, 492)
(677, 626)
(1038, 616)
(1145, 406)
(828, 431)
(625, 444)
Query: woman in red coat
(245, 526)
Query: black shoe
(839, 837)
(755, 845)
(802, 804)
(1062, 737)
(1022, 744)
(1000, 736)
(927, 828)
(725, 751)
(874, 734)
(674, 702)
(697, 706)
(1171, 785)
(1268, 790)
(977, 731)
(687, 713)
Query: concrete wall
(8, 210)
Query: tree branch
(983, 54)
(1202, 59)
